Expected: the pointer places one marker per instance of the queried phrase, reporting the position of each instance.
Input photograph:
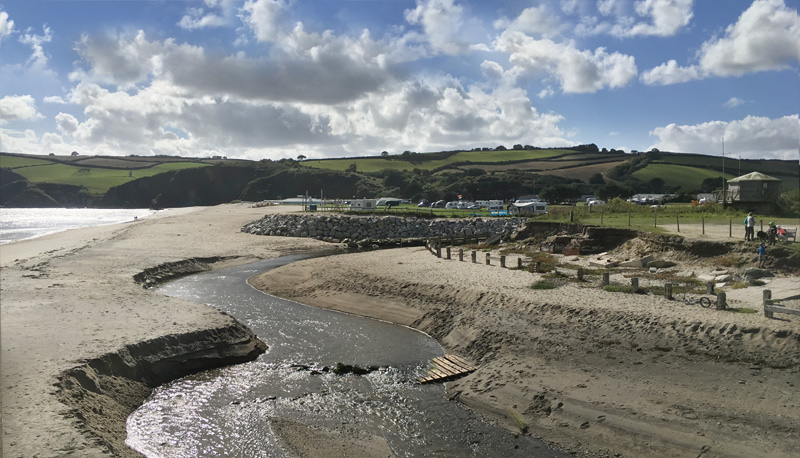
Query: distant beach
(25, 223)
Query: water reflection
(227, 412)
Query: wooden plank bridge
(446, 368)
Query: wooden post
(629, 216)
(678, 221)
(519, 263)
(668, 290)
(655, 217)
(538, 267)
(606, 279)
(448, 252)
(767, 300)
(460, 254)
(601, 215)
(502, 260)
(580, 271)
(762, 225)
(572, 215)
(710, 287)
(488, 256)
(635, 284)
(438, 251)
(703, 223)
(474, 256)
(722, 302)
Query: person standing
(762, 255)
(750, 227)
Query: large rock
(754, 273)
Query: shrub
(543, 284)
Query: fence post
(678, 221)
(502, 260)
(606, 279)
(460, 254)
(730, 228)
(629, 216)
(537, 267)
(722, 302)
(488, 256)
(580, 271)
(519, 263)
(438, 251)
(668, 290)
(767, 300)
(703, 223)
(710, 287)
(655, 217)
(474, 257)
(448, 252)
(635, 284)
(601, 215)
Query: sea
(26, 223)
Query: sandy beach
(592, 372)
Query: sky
(273, 79)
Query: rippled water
(227, 412)
(24, 223)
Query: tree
(711, 184)
(597, 178)
(610, 190)
(384, 153)
(656, 185)
(301, 158)
(352, 167)
(560, 193)
(74, 153)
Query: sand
(593, 372)
(69, 297)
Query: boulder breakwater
(377, 230)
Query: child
(762, 254)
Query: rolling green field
(375, 164)
(96, 180)
(678, 175)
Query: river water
(227, 412)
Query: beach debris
(446, 368)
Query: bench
(790, 234)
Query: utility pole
(724, 194)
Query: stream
(227, 411)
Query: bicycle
(702, 300)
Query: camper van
(528, 208)
(495, 205)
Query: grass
(678, 175)
(543, 284)
(15, 162)
(95, 180)
(411, 162)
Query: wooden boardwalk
(445, 368)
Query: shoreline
(76, 326)
(72, 310)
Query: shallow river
(226, 412)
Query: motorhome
(528, 208)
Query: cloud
(667, 16)
(661, 18)
(535, 21)
(670, 73)
(38, 59)
(752, 137)
(6, 26)
(766, 37)
(18, 108)
(264, 17)
(733, 102)
(120, 60)
(219, 13)
(577, 71)
(443, 24)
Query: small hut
(754, 191)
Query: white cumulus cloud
(752, 137)
(443, 23)
(577, 71)
(765, 37)
(6, 25)
(18, 107)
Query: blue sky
(257, 79)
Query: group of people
(770, 237)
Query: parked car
(592, 203)
(438, 204)
(423, 203)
